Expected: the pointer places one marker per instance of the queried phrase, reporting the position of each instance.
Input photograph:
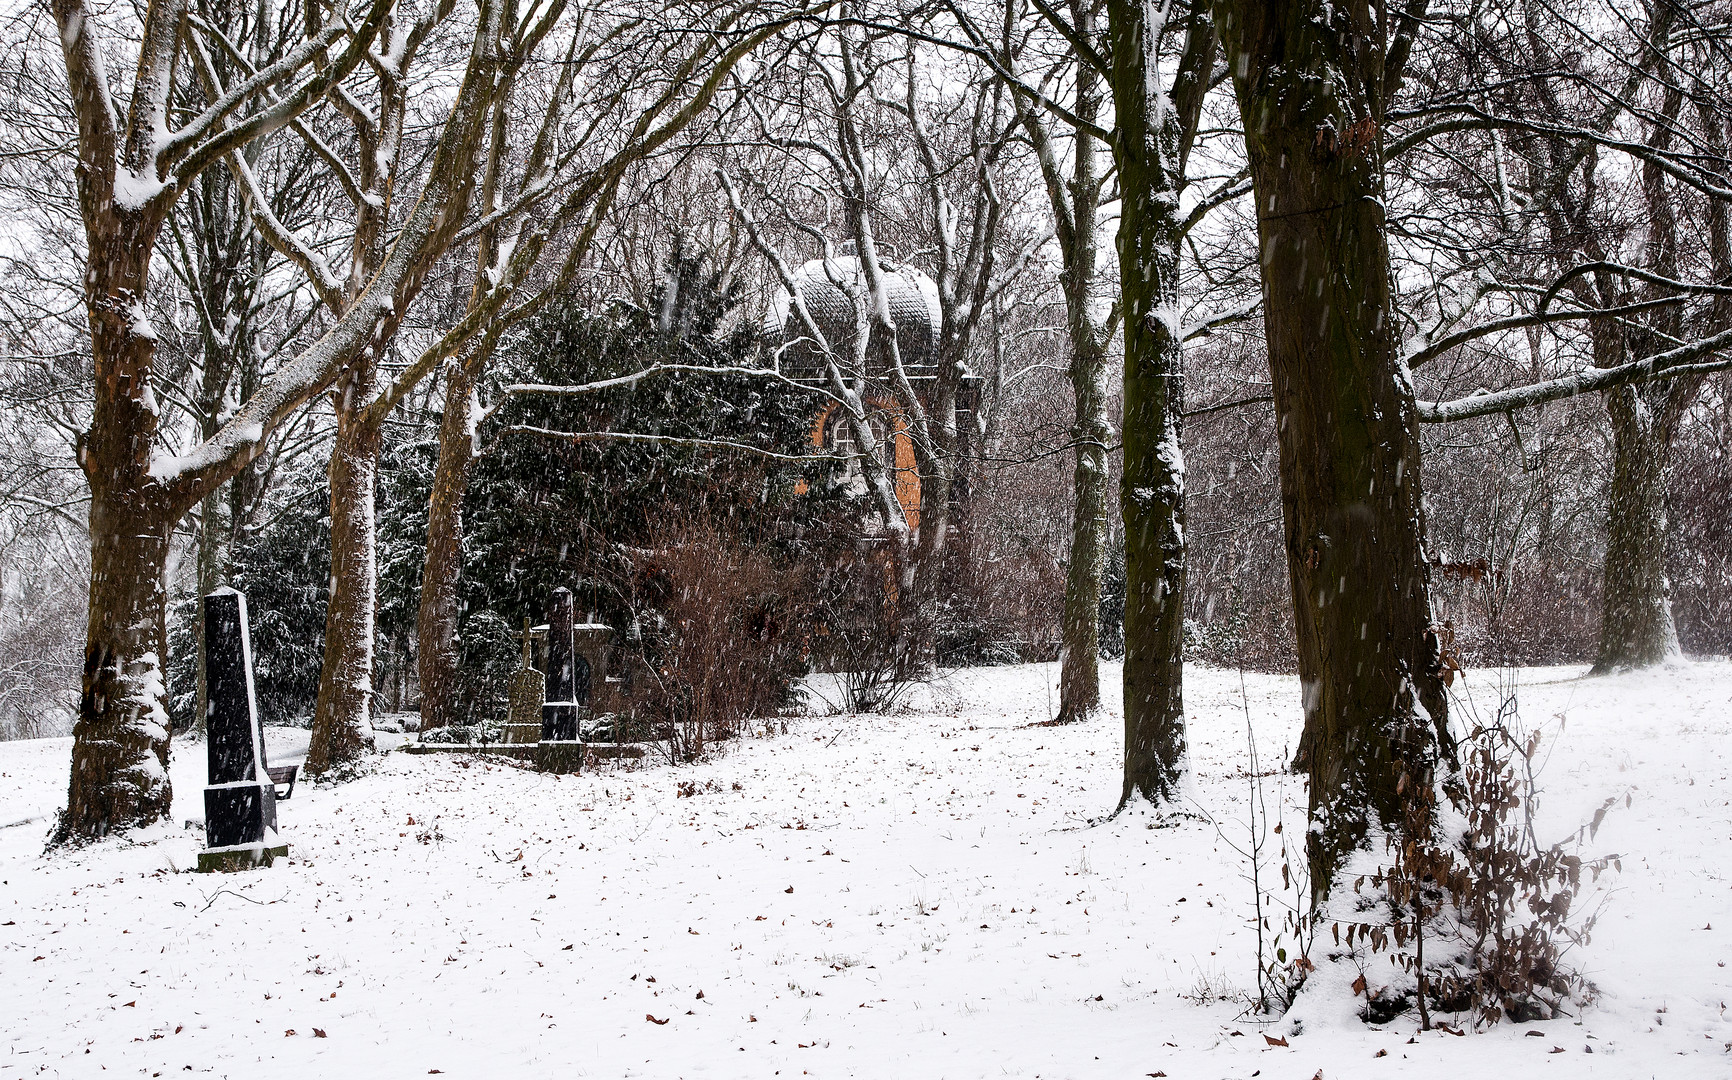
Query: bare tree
(1152, 142)
(680, 76)
(133, 166)
(1075, 200)
(865, 362)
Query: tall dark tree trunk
(120, 740)
(1152, 139)
(438, 650)
(1311, 80)
(1636, 628)
(342, 717)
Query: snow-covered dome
(913, 306)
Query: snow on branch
(1226, 317)
(1684, 360)
(661, 440)
(280, 112)
(543, 389)
(426, 233)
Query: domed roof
(913, 301)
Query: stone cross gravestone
(567, 674)
(240, 804)
(524, 693)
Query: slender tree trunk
(1310, 80)
(342, 718)
(1150, 157)
(1079, 683)
(438, 651)
(213, 561)
(1076, 206)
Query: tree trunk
(120, 742)
(1152, 491)
(1079, 682)
(1310, 81)
(436, 620)
(1076, 206)
(1636, 628)
(342, 725)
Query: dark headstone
(240, 805)
(561, 646)
(560, 714)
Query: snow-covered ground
(908, 896)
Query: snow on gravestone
(240, 804)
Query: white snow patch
(951, 914)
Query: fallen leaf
(1381, 1053)
(130, 1005)
(1359, 986)
(1275, 1040)
(1155, 1074)
(289, 1032)
(653, 1020)
(789, 889)
(1536, 1034)
(1555, 1050)
(318, 1033)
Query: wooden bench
(284, 774)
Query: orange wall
(905, 471)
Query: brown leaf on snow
(653, 1020)
(1555, 1050)
(318, 1033)
(1275, 1040)
(789, 889)
(1359, 986)
(289, 1032)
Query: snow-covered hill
(910, 896)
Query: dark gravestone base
(560, 757)
(243, 857)
(241, 813)
(559, 721)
